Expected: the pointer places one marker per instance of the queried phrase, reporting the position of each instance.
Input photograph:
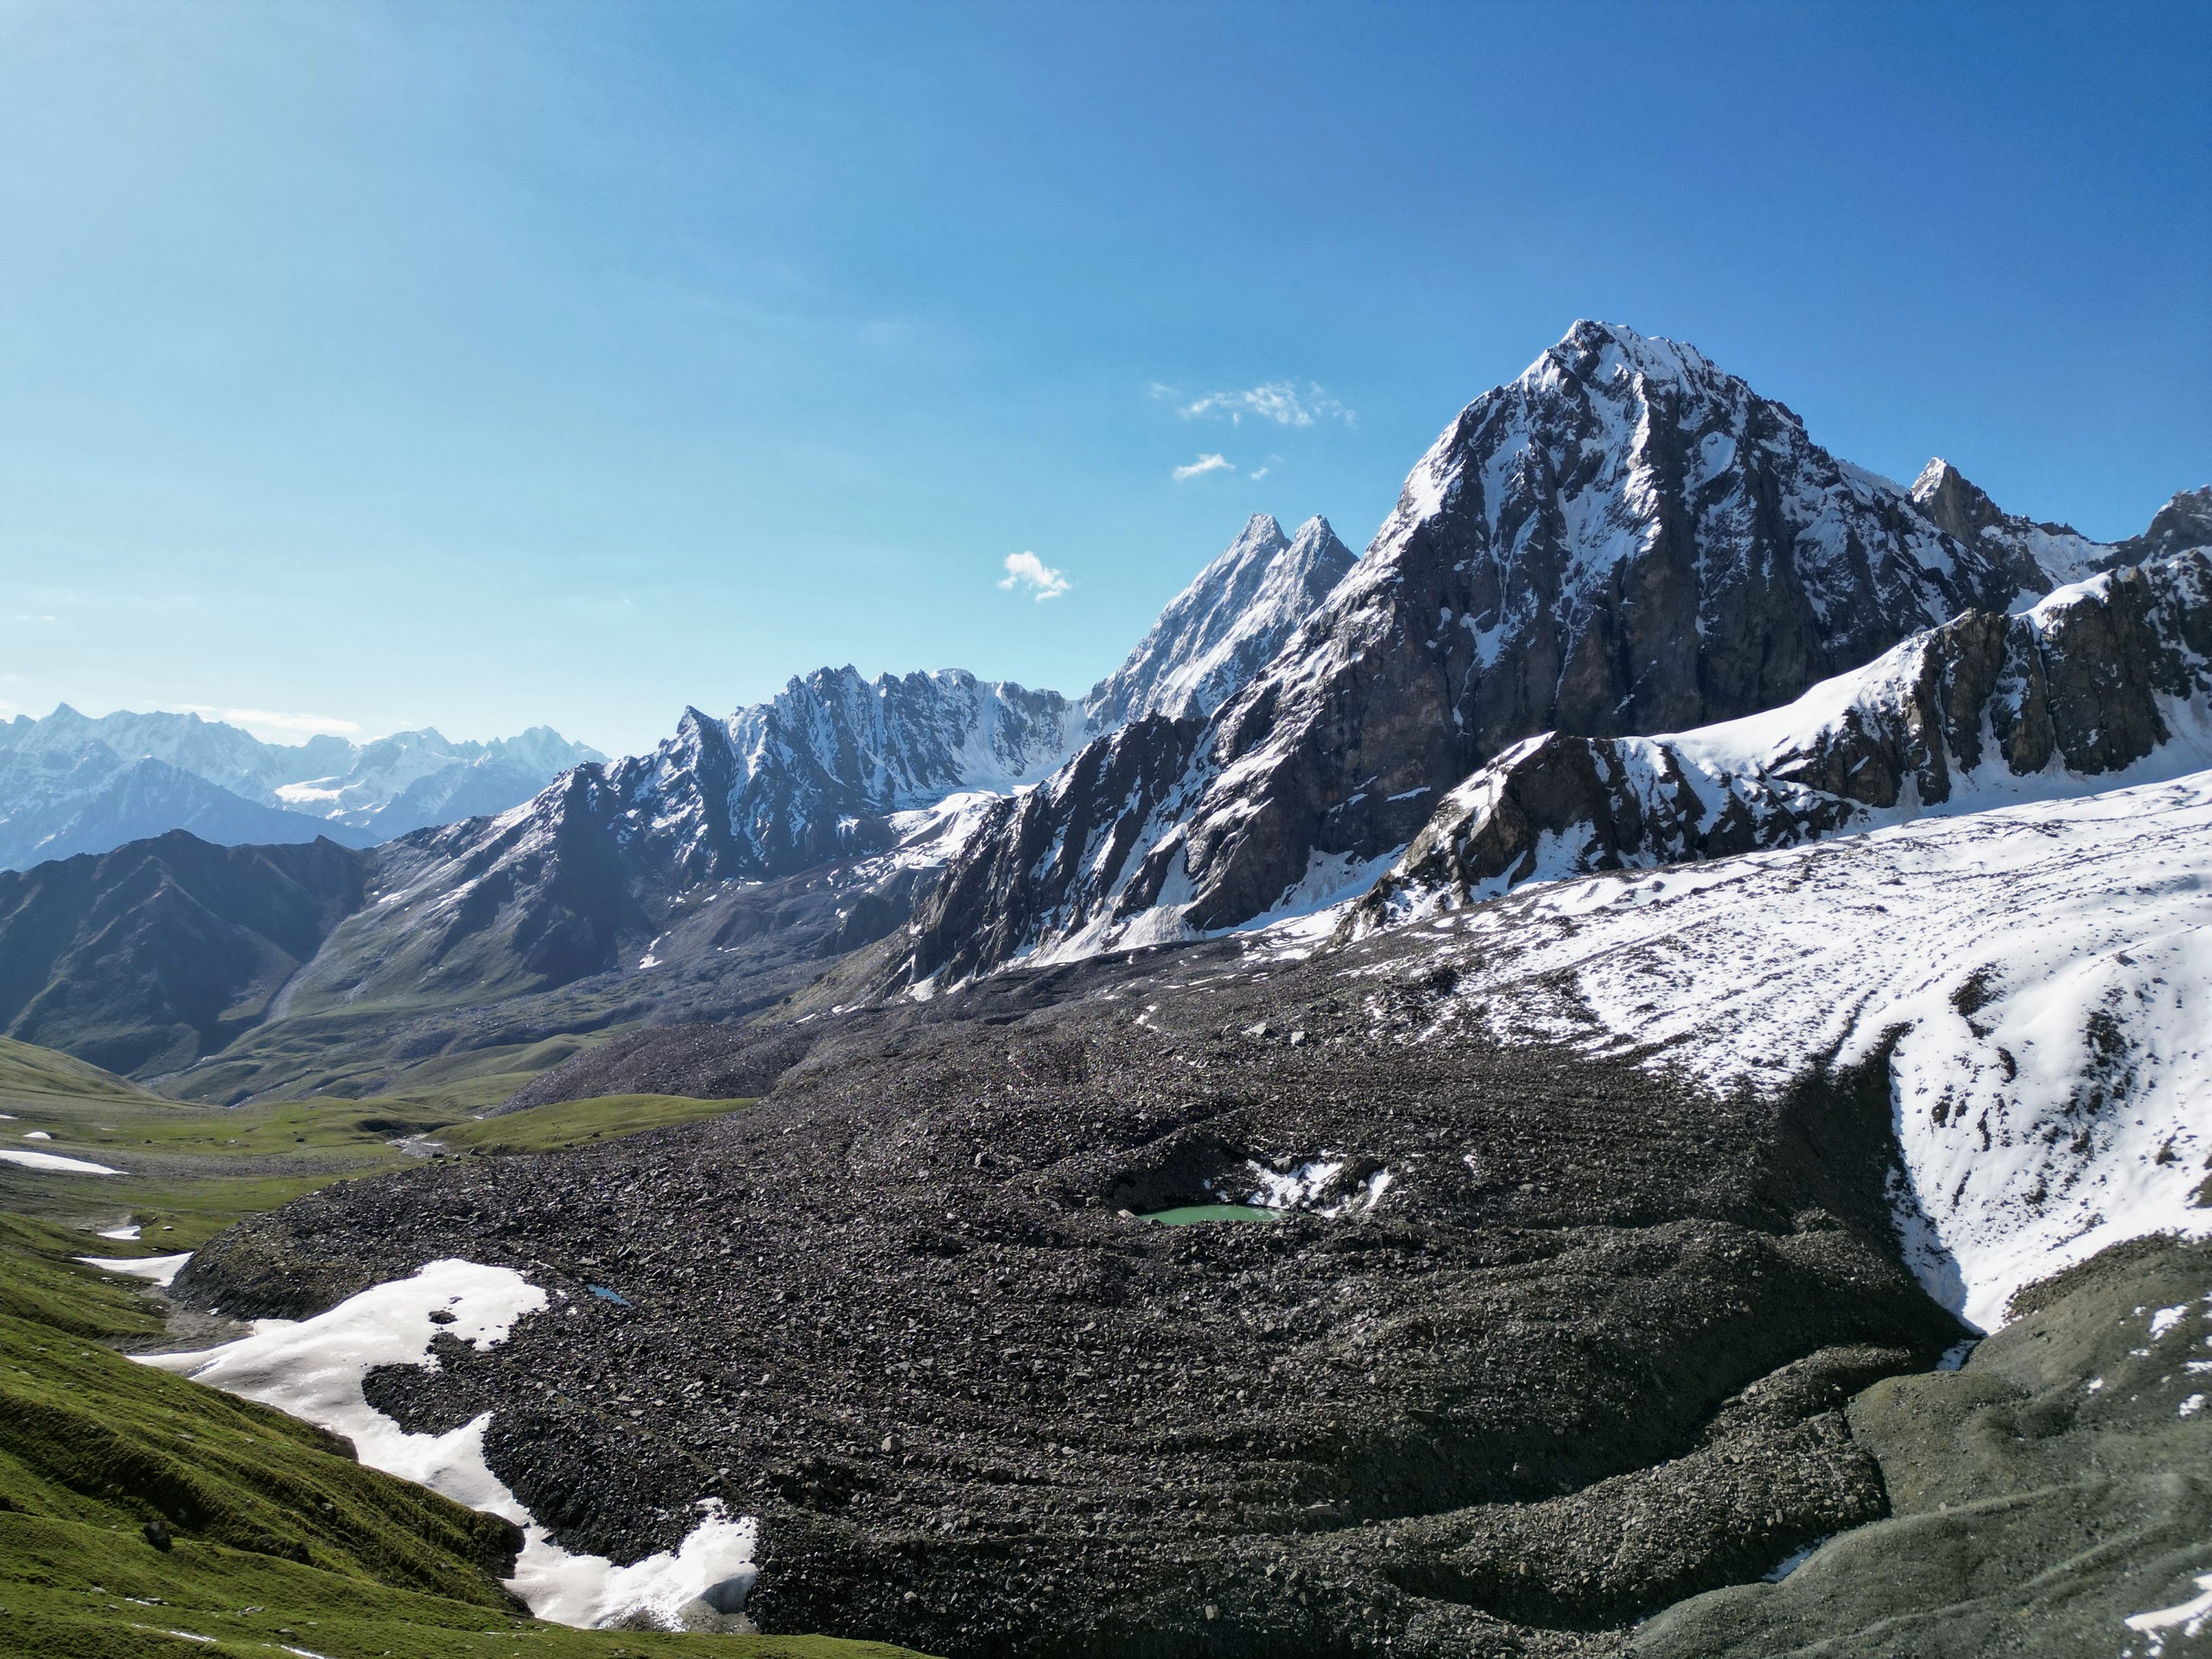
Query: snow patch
(2190, 1618)
(155, 1269)
(313, 1369)
(53, 1161)
(2166, 1318)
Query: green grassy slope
(31, 1076)
(567, 1123)
(276, 1540)
(190, 1170)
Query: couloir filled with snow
(314, 1368)
(2043, 971)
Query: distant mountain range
(1624, 542)
(612, 865)
(70, 784)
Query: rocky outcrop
(2040, 556)
(2183, 524)
(2066, 698)
(1225, 627)
(1624, 539)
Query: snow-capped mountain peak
(2104, 683)
(2041, 556)
(1624, 538)
(1221, 629)
(70, 783)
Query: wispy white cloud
(1204, 464)
(1265, 468)
(1281, 401)
(272, 726)
(1026, 570)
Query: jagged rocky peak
(819, 773)
(2104, 682)
(812, 774)
(903, 741)
(1956, 505)
(1221, 629)
(1624, 538)
(2183, 524)
(2042, 556)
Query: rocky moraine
(1538, 1345)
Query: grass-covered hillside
(185, 1171)
(144, 1515)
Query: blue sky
(489, 364)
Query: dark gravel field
(1548, 1344)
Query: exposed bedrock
(2084, 684)
(1552, 1343)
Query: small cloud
(271, 726)
(1202, 464)
(1280, 401)
(1026, 569)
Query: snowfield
(2044, 970)
(313, 1369)
(56, 1162)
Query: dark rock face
(1623, 540)
(2083, 684)
(2039, 557)
(1547, 1343)
(2183, 524)
(1062, 852)
(146, 957)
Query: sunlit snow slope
(2045, 970)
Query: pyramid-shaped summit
(1624, 538)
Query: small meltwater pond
(1196, 1212)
